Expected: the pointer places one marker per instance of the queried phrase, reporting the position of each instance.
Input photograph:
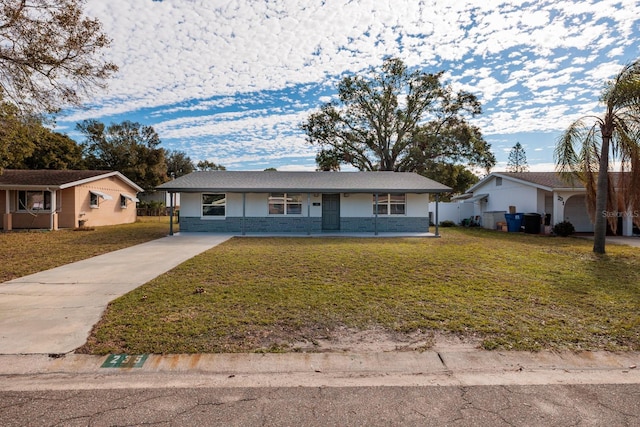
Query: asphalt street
(514, 405)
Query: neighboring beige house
(52, 199)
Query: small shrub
(564, 229)
(447, 223)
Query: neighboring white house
(545, 193)
(303, 202)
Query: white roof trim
(105, 196)
(477, 198)
(461, 197)
(509, 178)
(98, 177)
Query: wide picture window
(214, 205)
(285, 204)
(390, 204)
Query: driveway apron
(53, 311)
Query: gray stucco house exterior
(304, 202)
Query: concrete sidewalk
(53, 311)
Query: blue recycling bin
(514, 222)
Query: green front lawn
(265, 294)
(27, 252)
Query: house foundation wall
(302, 225)
(252, 225)
(393, 224)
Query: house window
(34, 200)
(124, 198)
(390, 204)
(214, 205)
(498, 181)
(285, 203)
(95, 195)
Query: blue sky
(231, 81)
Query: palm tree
(593, 143)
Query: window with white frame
(93, 200)
(214, 205)
(285, 203)
(34, 200)
(390, 204)
(123, 202)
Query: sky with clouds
(231, 81)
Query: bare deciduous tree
(50, 54)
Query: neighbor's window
(390, 204)
(214, 204)
(285, 203)
(34, 200)
(93, 200)
(123, 202)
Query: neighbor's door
(331, 211)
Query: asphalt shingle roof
(549, 180)
(339, 182)
(10, 178)
(545, 179)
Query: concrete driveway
(618, 240)
(53, 311)
(629, 241)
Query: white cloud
(209, 74)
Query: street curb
(429, 368)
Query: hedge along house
(52, 199)
(304, 202)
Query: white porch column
(559, 200)
(53, 223)
(171, 208)
(437, 215)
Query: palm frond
(624, 90)
(627, 138)
(565, 155)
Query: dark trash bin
(514, 222)
(532, 223)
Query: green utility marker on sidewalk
(124, 361)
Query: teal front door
(331, 212)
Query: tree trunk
(602, 187)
